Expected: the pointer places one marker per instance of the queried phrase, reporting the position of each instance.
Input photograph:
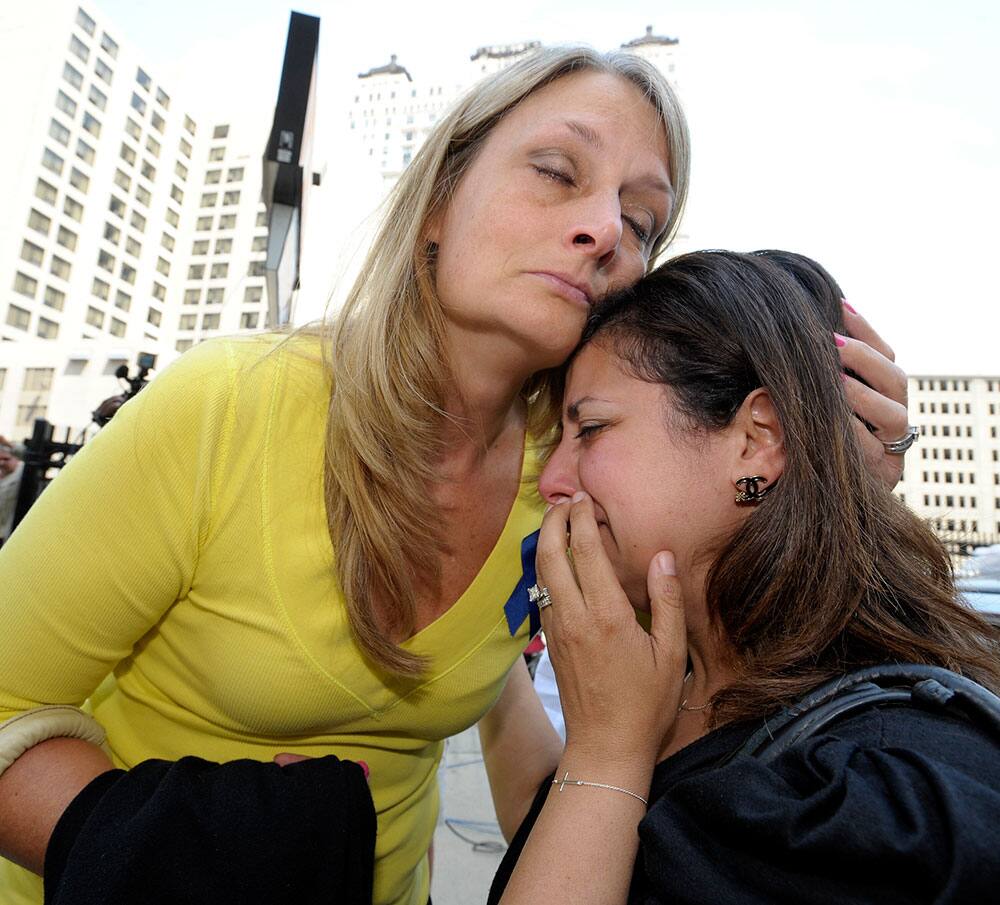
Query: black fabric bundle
(193, 832)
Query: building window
(109, 46)
(25, 285)
(85, 22)
(47, 329)
(200, 247)
(92, 125)
(153, 146)
(162, 98)
(227, 221)
(84, 151)
(18, 317)
(123, 180)
(248, 320)
(116, 206)
(46, 192)
(100, 289)
(187, 322)
(103, 71)
(217, 153)
(185, 147)
(203, 224)
(127, 273)
(210, 321)
(143, 79)
(138, 221)
(79, 49)
(255, 269)
(72, 76)
(196, 272)
(190, 126)
(73, 208)
(65, 103)
(133, 128)
(159, 291)
(181, 171)
(231, 198)
(66, 238)
(138, 104)
(173, 218)
(177, 194)
(123, 300)
(221, 131)
(97, 97)
(208, 199)
(154, 316)
(78, 180)
(212, 177)
(262, 218)
(223, 246)
(52, 161)
(215, 296)
(54, 298)
(167, 241)
(220, 270)
(106, 261)
(112, 233)
(163, 266)
(157, 122)
(182, 345)
(259, 243)
(132, 246)
(32, 253)
(59, 132)
(116, 327)
(148, 171)
(235, 174)
(39, 222)
(252, 294)
(192, 296)
(143, 196)
(127, 154)
(95, 317)
(60, 268)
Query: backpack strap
(930, 688)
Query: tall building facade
(393, 113)
(952, 476)
(128, 226)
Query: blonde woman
(316, 548)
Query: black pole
(36, 463)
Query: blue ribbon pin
(518, 606)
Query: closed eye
(641, 233)
(554, 175)
(588, 431)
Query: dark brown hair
(830, 571)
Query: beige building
(127, 227)
(952, 473)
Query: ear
(760, 440)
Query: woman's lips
(565, 286)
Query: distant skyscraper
(126, 225)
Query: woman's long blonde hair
(386, 355)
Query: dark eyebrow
(573, 409)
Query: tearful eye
(640, 232)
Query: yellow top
(179, 574)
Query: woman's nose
(598, 230)
(559, 479)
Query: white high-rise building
(952, 475)
(126, 227)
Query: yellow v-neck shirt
(179, 574)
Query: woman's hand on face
(883, 403)
(619, 687)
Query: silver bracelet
(566, 781)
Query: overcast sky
(865, 133)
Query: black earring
(750, 491)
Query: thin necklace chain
(684, 703)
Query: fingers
(668, 629)
(876, 369)
(286, 758)
(860, 329)
(887, 416)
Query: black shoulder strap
(910, 684)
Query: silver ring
(539, 595)
(903, 443)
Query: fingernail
(578, 496)
(847, 306)
(364, 767)
(843, 376)
(665, 563)
(548, 507)
(839, 340)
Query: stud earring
(750, 491)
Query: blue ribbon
(518, 607)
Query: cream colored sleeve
(109, 546)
